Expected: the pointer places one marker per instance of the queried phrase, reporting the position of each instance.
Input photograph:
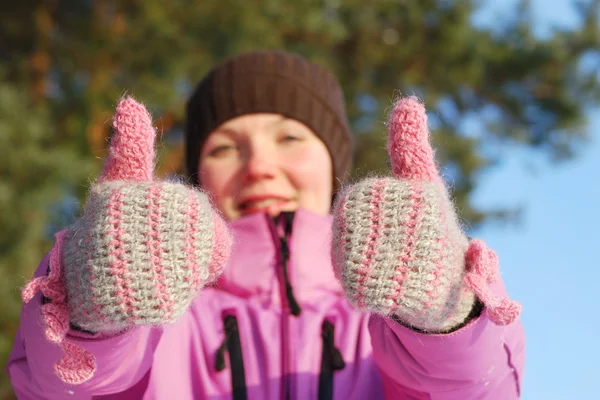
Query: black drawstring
(288, 218)
(232, 344)
(331, 361)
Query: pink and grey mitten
(138, 255)
(398, 249)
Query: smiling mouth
(254, 206)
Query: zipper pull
(288, 217)
(289, 291)
(294, 306)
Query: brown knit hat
(270, 82)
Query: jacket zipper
(233, 346)
(285, 257)
(289, 303)
(331, 361)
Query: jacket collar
(255, 268)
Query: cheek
(216, 180)
(311, 172)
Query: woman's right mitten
(138, 255)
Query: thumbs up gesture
(398, 248)
(138, 255)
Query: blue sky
(549, 260)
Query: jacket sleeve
(480, 361)
(122, 359)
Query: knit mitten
(138, 255)
(398, 248)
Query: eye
(221, 151)
(288, 137)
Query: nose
(258, 165)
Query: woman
(127, 296)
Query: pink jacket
(241, 340)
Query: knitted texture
(77, 365)
(398, 248)
(138, 255)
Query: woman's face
(266, 163)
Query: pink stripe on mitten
(410, 153)
(398, 248)
(131, 153)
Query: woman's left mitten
(398, 248)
